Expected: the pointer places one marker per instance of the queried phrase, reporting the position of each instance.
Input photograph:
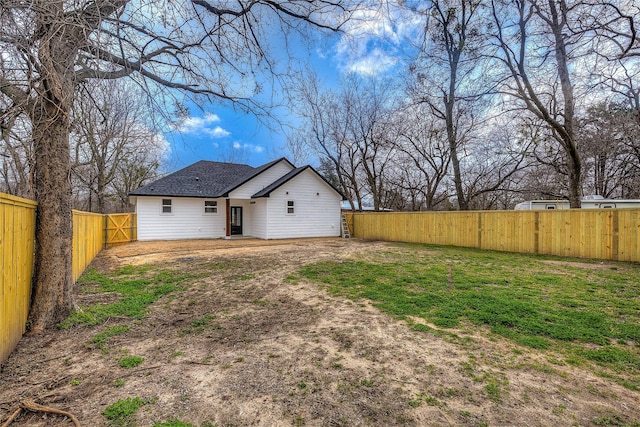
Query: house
(208, 200)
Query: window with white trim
(291, 207)
(166, 206)
(210, 207)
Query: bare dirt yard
(246, 343)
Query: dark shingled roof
(204, 179)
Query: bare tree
(369, 125)
(495, 165)
(352, 129)
(543, 44)
(325, 133)
(610, 136)
(16, 155)
(546, 178)
(298, 148)
(138, 169)
(49, 47)
(423, 158)
(110, 126)
(446, 70)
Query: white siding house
(306, 207)
(219, 200)
(187, 219)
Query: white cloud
(217, 132)
(162, 145)
(248, 147)
(376, 62)
(372, 41)
(202, 125)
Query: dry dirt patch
(280, 351)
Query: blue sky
(371, 45)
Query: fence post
(134, 230)
(106, 231)
(614, 235)
(479, 230)
(536, 232)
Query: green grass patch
(133, 288)
(493, 391)
(130, 361)
(590, 313)
(121, 412)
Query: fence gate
(120, 228)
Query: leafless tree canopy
(114, 149)
(504, 101)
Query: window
(291, 208)
(210, 207)
(166, 206)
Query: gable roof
(204, 179)
(255, 173)
(266, 192)
(211, 180)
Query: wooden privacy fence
(611, 234)
(91, 233)
(88, 239)
(17, 230)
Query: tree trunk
(575, 178)
(452, 131)
(457, 176)
(558, 23)
(452, 138)
(52, 297)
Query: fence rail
(91, 233)
(610, 234)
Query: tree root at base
(30, 405)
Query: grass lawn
(587, 311)
(286, 333)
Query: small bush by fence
(611, 234)
(91, 233)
